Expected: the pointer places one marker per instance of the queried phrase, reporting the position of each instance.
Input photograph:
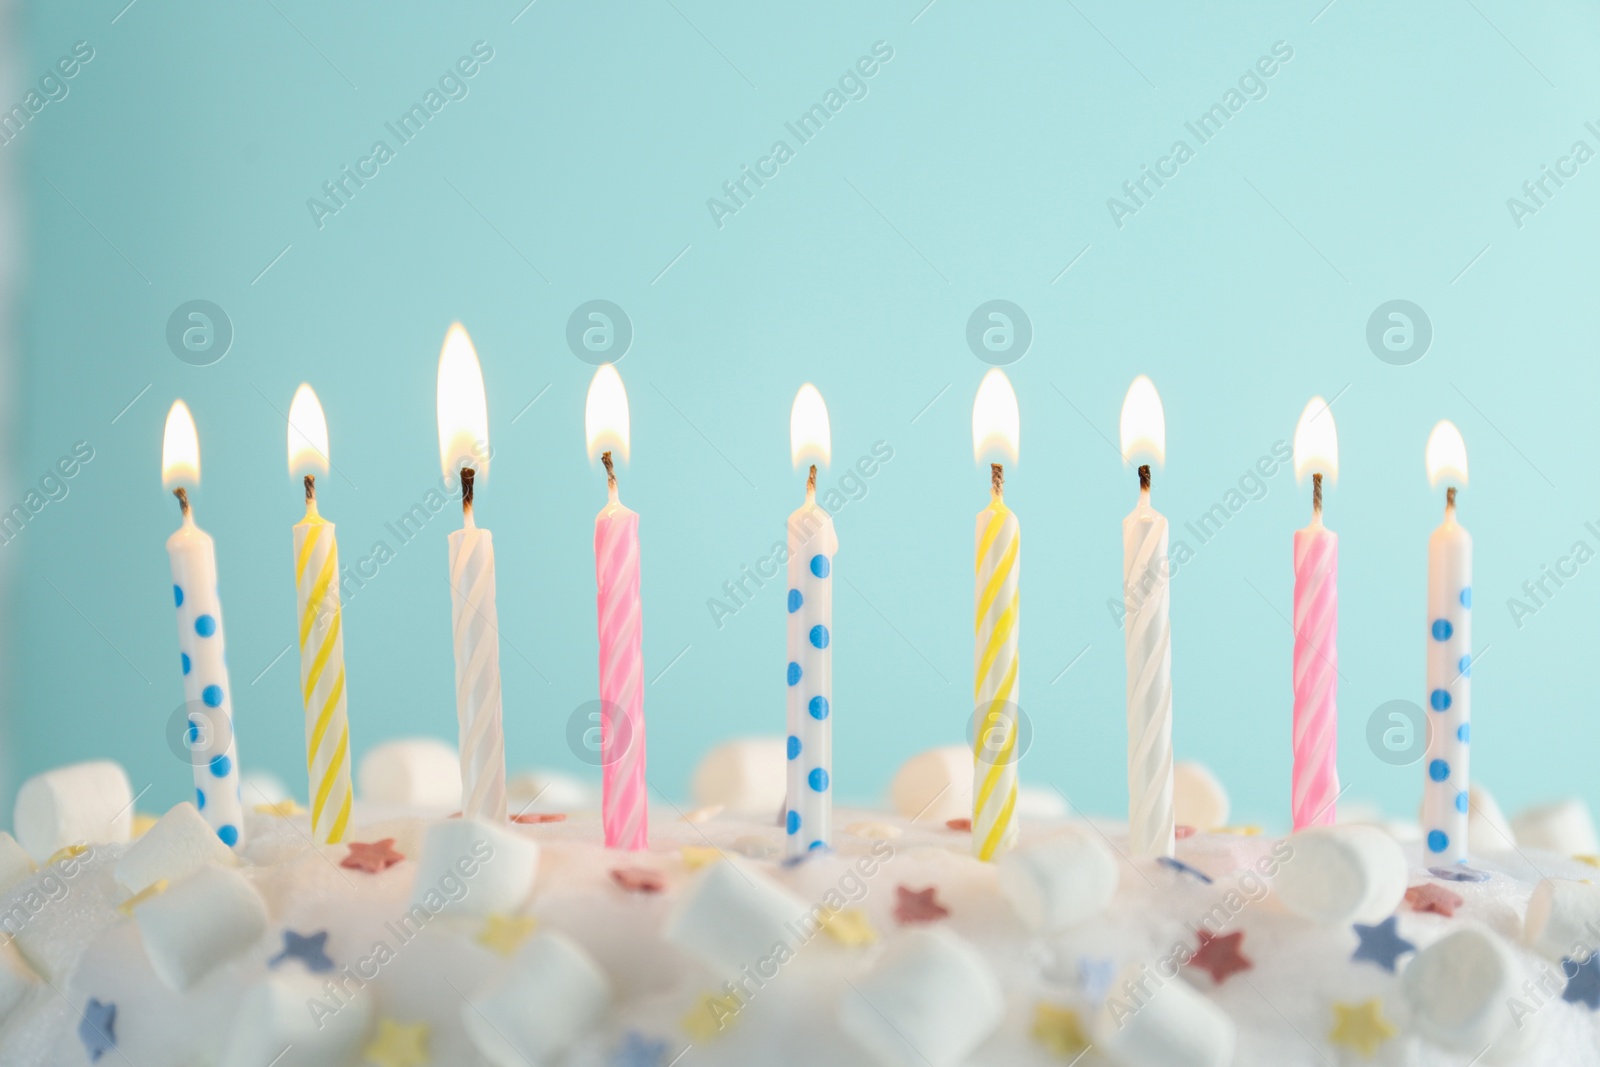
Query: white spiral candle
(475, 628)
(1149, 653)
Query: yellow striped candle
(995, 629)
(321, 632)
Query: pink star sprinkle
(371, 857)
(917, 906)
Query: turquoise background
(978, 166)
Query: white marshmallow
(15, 863)
(16, 980)
(732, 916)
(1177, 1026)
(1565, 827)
(80, 804)
(1460, 989)
(1198, 799)
(929, 1002)
(495, 866)
(934, 786)
(200, 923)
(1342, 874)
(417, 772)
(1040, 802)
(1060, 882)
(1563, 918)
(545, 790)
(179, 843)
(275, 1014)
(259, 787)
(552, 994)
(747, 777)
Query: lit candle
(200, 641)
(321, 630)
(625, 802)
(1146, 575)
(1444, 791)
(464, 447)
(996, 430)
(1315, 784)
(812, 546)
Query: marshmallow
(746, 777)
(929, 1002)
(273, 1016)
(1198, 799)
(1563, 827)
(1563, 918)
(1176, 1026)
(473, 868)
(1060, 882)
(179, 843)
(733, 916)
(15, 864)
(259, 787)
(200, 923)
(1342, 874)
(16, 980)
(1040, 802)
(934, 786)
(545, 790)
(1461, 990)
(417, 772)
(80, 804)
(553, 994)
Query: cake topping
(309, 949)
(371, 857)
(98, 1029)
(1059, 1030)
(1461, 873)
(637, 1050)
(1382, 944)
(1361, 1027)
(1583, 981)
(917, 906)
(398, 1044)
(639, 879)
(504, 934)
(849, 927)
(1220, 956)
(1434, 898)
(1183, 868)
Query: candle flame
(1144, 423)
(308, 434)
(1316, 442)
(180, 449)
(605, 413)
(810, 436)
(463, 410)
(1447, 455)
(996, 425)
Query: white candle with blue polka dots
(809, 674)
(208, 695)
(1445, 804)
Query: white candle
(1445, 807)
(1146, 578)
(200, 639)
(812, 546)
(464, 447)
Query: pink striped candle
(1315, 783)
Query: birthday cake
(428, 938)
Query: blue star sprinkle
(637, 1050)
(1583, 981)
(308, 949)
(1458, 874)
(98, 1029)
(1382, 944)
(1183, 868)
(1096, 975)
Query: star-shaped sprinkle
(705, 814)
(1592, 861)
(1059, 1030)
(697, 856)
(710, 1016)
(1183, 868)
(1382, 944)
(398, 1044)
(963, 825)
(70, 852)
(1181, 832)
(1220, 956)
(917, 905)
(1434, 898)
(637, 1050)
(283, 808)
(309, 949)
(849, 927)
(1096, 974)
(534, 818)
(1460, 873)
(371, 857)
(1361, 1026)
(1242, 831)
(98, 1029)
(639, 879)
(1583, 987)
(142, 821)
(504, 933)
(153, 889)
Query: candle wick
(997, 479)
(467, 474)
(311, 489)
(183, 499)
(1316, 494)
(611, 472)
(1144, 477)
(811, 480)
(1450, 498)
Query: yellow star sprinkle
(399, 1045)
(504, 933)
(67, 853)
(1242, 831)
(155, 887)
(849, 927)
(697, 856)
(283, 808)
(1059, 1030)
(710, 1016)
(1361, 1026)
(1593, 861)
(141, 823)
